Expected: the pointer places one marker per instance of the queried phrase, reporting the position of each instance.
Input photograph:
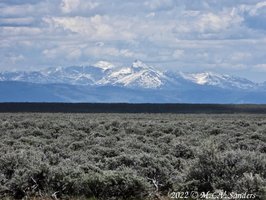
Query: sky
(224, 36)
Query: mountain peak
(220, 80)
(204, 77)
(104, 65)
(139, 64)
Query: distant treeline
(131, 108)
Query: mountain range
(138, 83)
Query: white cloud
(19, 31)
(255, 16)
(74, 54)
(109, 52)
(215, 23)
(178, 54)
(195, 34)
(97, 27)
(160, 4)
(99, 44)
(16, 10)
(260, 67)
(68, 6)
(69, 52)
(94, 26)
(22, 21)
(27, 9)
(151, 15)
(50, 53)
(240, 56)
(254, 9)
(194, 23)
(16, 58)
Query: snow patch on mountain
(114, 76)
(104, 65)
(138, 75)
(223, 81)
(145, 79)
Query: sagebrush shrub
(130, 156)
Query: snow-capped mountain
(22, 76)
(138, 75)
(75, 75)
(220, 80)
(139, 82)
(102, 73)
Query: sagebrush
(130, 156)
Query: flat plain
(131, 156)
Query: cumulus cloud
(160, 4)
(66, 52)
(108, 52)
(69, 6)
(190, 34)
(211, 22)
(255, 15)
(259, 8)
(96, 27)
(208, 25)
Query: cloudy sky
(225, 36)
